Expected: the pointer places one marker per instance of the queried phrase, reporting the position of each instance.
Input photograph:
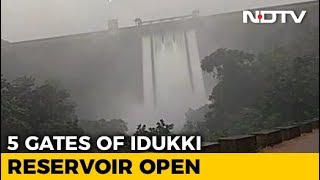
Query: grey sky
(33, 19)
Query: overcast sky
(33, 19)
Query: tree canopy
(257, 91)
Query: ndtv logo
(260, 17)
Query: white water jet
(172, 77)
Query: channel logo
(270, 17)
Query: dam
(148, 71)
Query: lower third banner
(302, 166)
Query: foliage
(30, 109)
(238, 85)
(161, 129)
(275, 87)
(256, 92)
(292, 87)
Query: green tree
(12, 111)
(161, 129)
(46, 109)
(256, 92)
(53, 112)
(238, 84)
(292, 86)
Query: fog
(33, 19)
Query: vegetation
(257, 92)
(161, 129)
(46, 109)
(275, 87)
(30, 109)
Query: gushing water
(172, 78)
